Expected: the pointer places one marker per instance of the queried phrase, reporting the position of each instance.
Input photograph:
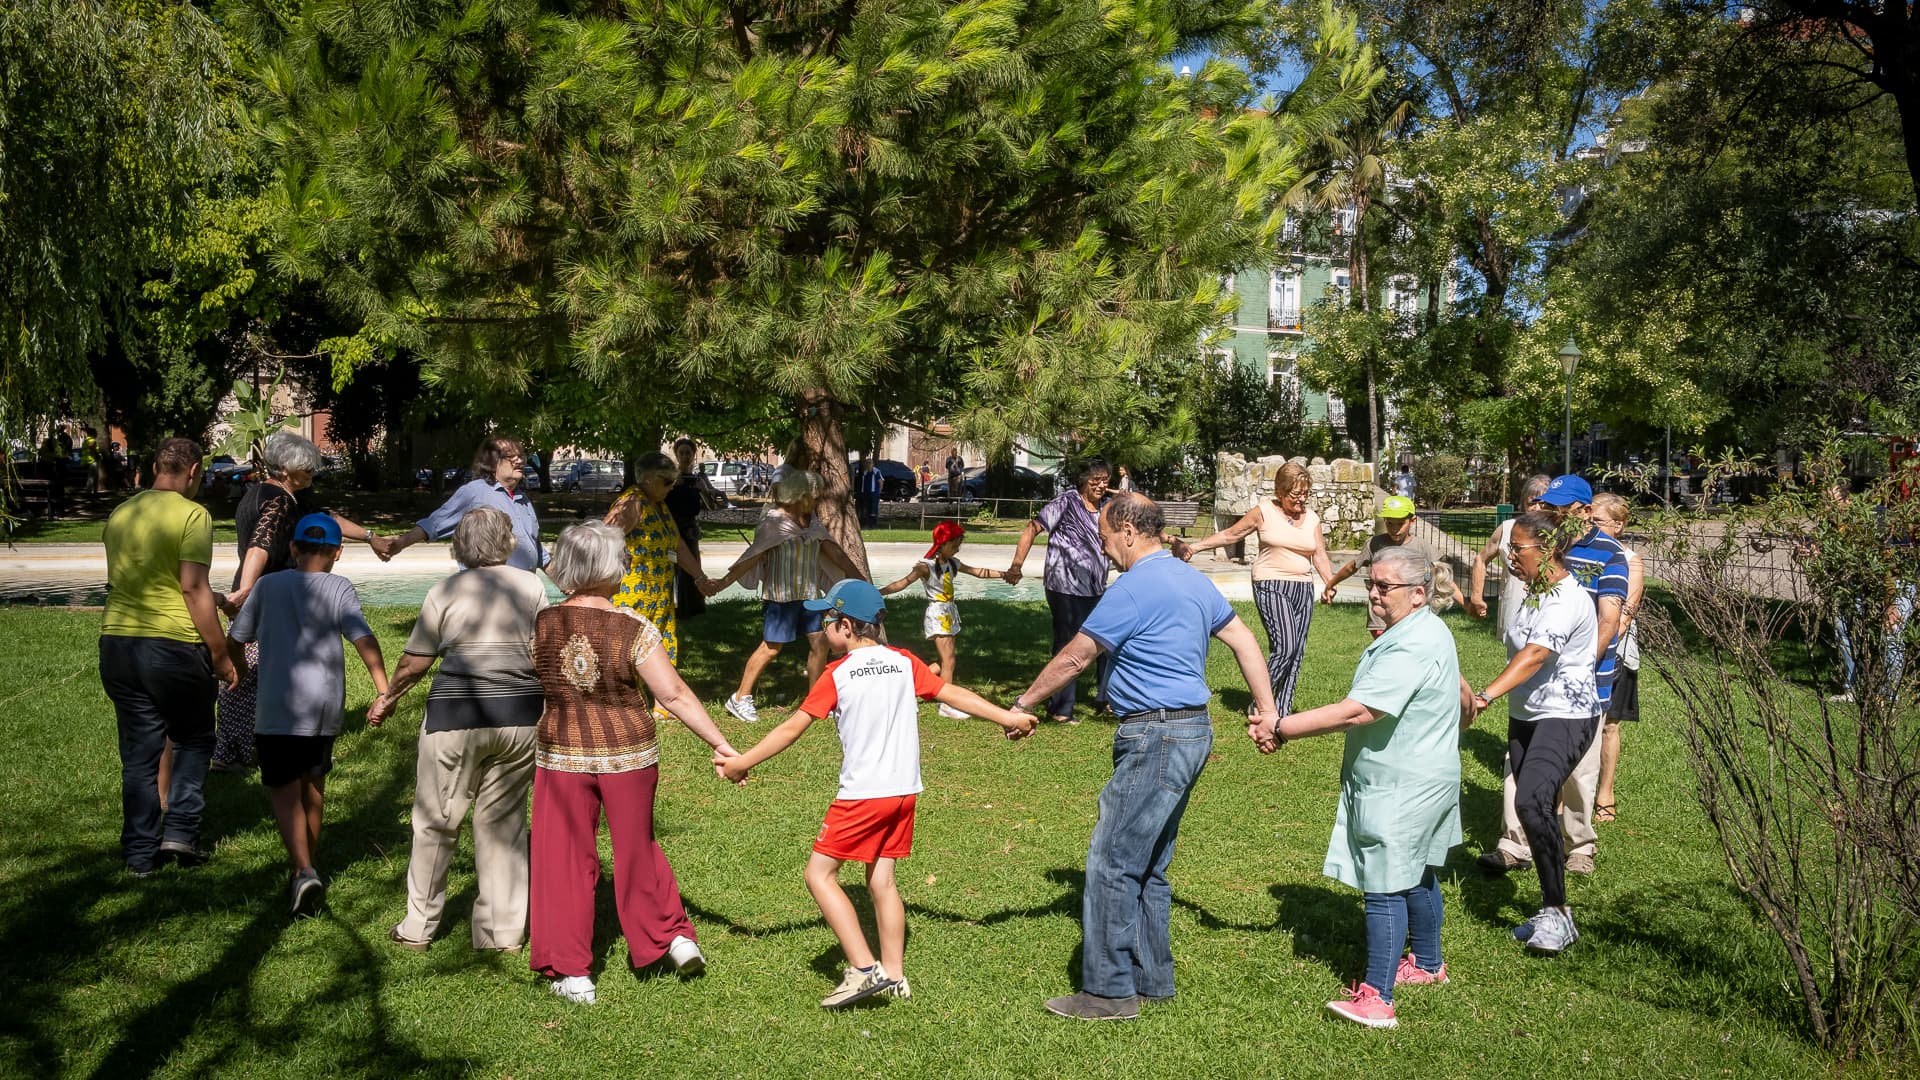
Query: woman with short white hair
(477, 738)
(265, 519)
(596, 750)
(1399, 809)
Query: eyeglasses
(1389, 586)
(1526, 547)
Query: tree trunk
(824, 436)
(1357, 280)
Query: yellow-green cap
(1396, 506)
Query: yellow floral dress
(647, 586)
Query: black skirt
(1625, 703)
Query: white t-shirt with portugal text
(876, 688)
(1563, 622)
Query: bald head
(1130, 527)
(1131, 508)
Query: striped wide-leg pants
(1286, 608)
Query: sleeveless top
(597, 717)
(1286, 549)
(940, 580)
(647, 585)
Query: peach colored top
(1286, 548)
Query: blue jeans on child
(1126, 948)
(1390, 918)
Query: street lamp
(1570, 355)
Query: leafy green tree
(1752, 259)
(109, 126)
(621, 220)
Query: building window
(1284, 368)
(1283, 300)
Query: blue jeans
(1390, 916)
(161, 689)
(1128, 903)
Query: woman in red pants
(595, 751)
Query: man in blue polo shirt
(1156, 620)
(1599, 563)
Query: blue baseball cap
(852, 597)
(317, 529)
(1567, 490)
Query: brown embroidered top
(597, 717)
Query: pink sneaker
(1363, 1006)
(1411, 972)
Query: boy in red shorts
(872, 690)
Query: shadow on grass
(212, 1007)
(1328, 926)
(1721, 961)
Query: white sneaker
(1553, 931)
(952, 713)
(575, 988)
(686, 956)
(743, 708)
(900, 989)
(857, 985)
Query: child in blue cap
(872, 690)
(299, 616)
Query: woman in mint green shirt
(1399, 808)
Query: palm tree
(1351, 176)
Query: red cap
(944, 532)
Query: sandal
(1603, 812)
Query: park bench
(35, 497)
(1179, 515)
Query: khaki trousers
(1576, 810)
(489, 770)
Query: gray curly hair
(285, 452)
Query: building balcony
(1283, 318)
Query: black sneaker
(1497, 861)
(1085, 1006)
(179, 851)
(308, 892)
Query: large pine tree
(616, 219)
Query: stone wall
(1343, 493)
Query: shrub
(1439, 479)
(1815, 800)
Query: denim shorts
(789, 621)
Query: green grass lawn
(201, 972)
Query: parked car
(737, 477)
(591, 477)
(226, 477)
(1020, 482)
(898, 483)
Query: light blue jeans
(1390, 918)
(1127, 904)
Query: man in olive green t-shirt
(161, 650)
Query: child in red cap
(942, 620)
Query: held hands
(231, 603)
(382, 707)
(1261, 729)
(728, 765)
(1012, 576)
(384, 547)
(1327, 594)
(708, 586)
(1477, 607)
(1024, 723)
(224, 671)
(1182, 550)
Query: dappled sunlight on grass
(198, 972)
